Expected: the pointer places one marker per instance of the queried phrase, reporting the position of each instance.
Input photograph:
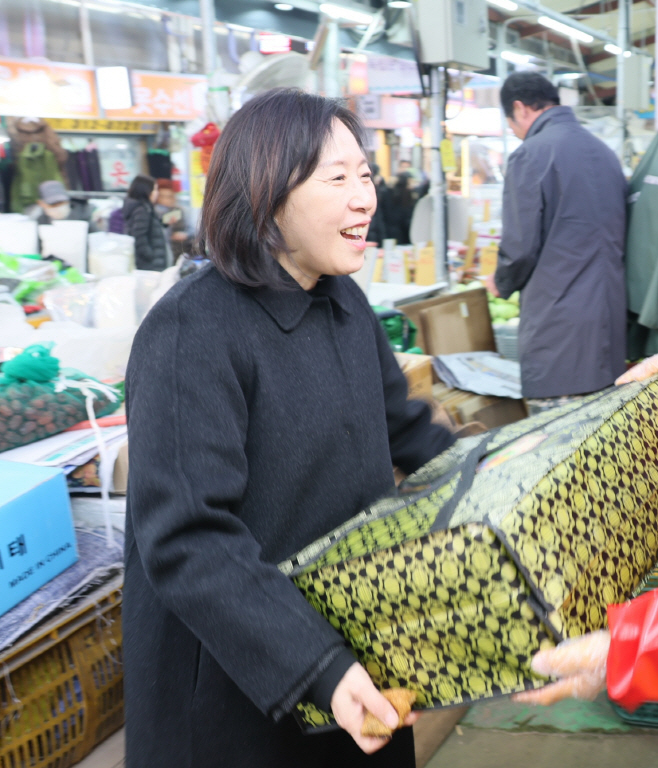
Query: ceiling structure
(522, 33)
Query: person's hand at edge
(354, 695)
(644, 370)
(490, 284)
(580, 666)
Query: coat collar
(552, 115)
(288, 306)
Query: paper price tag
(448, 161)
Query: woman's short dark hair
(270, 146)
(531, 89)
(141, 187)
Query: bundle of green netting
(507, 543)
(38, 399)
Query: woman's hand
(353, 696)
(644, 370)
(580, 663)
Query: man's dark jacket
(564, 219)
(258, 421)
(143, 223)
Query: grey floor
(470, 747)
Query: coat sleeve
(522, 221)
(632, 673)
(188, 423)
(140, 223)
(413, 439)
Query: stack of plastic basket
(61, 686)
(507, 340)
(646, 715)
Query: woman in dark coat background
(143, 223)
(400, 202)
(265, 408)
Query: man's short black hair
(530, 88)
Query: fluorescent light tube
(515, 58)
(346, 14)
(565, 29)
(506, 5)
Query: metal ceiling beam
(542, 10)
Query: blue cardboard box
(37, 538)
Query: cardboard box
(120, 476)
(418, 372)
(459, 323)
(453, 322)
(465, 407)
(37, 538)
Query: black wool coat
(258, 420)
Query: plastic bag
(110, 254)
(633, 656)
(37, 399)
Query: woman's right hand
(644, 370)
(354, 695)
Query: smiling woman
(287, 181)
(265, 408)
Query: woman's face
(154, 194)
(325, 220)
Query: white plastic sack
(71, 302)
(110, 254)
(66, 240)
(114, 303)
(101, 353)
(18, 234)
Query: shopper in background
(377, 231)
(55, 204)
(564, 216)
(173, 217)
(143, 223)
(400, 207)
(265, 408)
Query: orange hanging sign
(167, 97)
(47, 90)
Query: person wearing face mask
(172, 216)
(55, 204)
(143, 223)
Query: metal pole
(331, 61)
(207, 9)
(623, 43)
(85, 34)
(501, 74)
(437, 187)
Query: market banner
(387, 74)
(47, 90)
(164, 97)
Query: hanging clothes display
(34, 164)
(159, 163)
(642, 256)
(27, 130)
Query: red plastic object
(207, 136)
(633, 657)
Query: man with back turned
(562, 246)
